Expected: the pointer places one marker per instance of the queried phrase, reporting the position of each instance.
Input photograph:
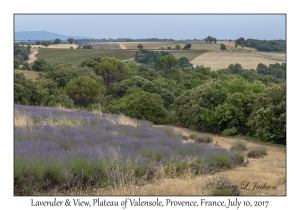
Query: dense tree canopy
(165, 89)
(112, 70)
(84, 90)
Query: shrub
(229, 131)
(193, 136)
(218, 160)
(203, 139)
(257, 152)
(237, 158)
(87, 47)
(200, 139)
(239, 145)
(222, 186)
(152, 154)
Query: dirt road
(33, 52)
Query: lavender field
(61, 149)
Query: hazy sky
(185, 26)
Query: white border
(8, 201)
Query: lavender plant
(71, 147)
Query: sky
(176, 26)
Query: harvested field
(190, 54)
(29, 74)
(248, 60)
(147, 45)
(232, 44)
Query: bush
(257, 152)
(218, 160)
(229, 131)
(239, 145)
(203, 139)
(237, 158)
(87, 47)
(222, 186)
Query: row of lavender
(65, 146)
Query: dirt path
(33, 52)
(122, 46)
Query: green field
(75, 57)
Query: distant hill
(44, 35)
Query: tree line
(263, 45)
(166, 90)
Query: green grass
(75, 57)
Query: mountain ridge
(43, 35)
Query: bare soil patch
(29, 74)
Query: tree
(84, 90)
(210, 39)
(184, 62)
(166, 62)
(187, 47)
(46, 43)
(56, 41)
(140, 46)
(177, 47)
(141, 105)
(71, 40)
(223, 46)
(37, 42)
(112, 70)
(39, 64)
(268, 118)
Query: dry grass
(123, 120)
(232, 44)
(248, 60)
(22, 119)
(29, 74)
(148, 45)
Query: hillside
(65, 146)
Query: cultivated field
(232, 44)
(248, 60)
(29, 74)
(75, 56)
(56, 46)
(190, 54)
(70, 152)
